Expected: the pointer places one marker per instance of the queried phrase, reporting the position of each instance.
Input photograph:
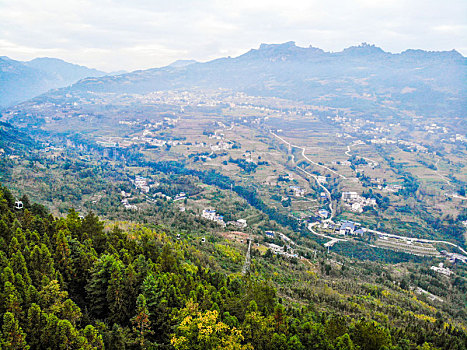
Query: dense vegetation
(68, 283)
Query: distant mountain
(181, 63)
(63, 71)
(20, 81)
(362, 77)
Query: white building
(323, 213)
(321, 179)
(275, 248)
(210, 214)
(298, 191)
(180, 196)
(356, 207)
(441, 269)
(349, 196)
(242, 223)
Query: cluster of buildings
(412, 146)
(458, 137)
(210, 214)
(392, 188)
(356, 202)
(125, 202)
(297, 191)
(321, 179)
(344, 228)
(349, 228)
(221, 146)
(216, 136)
(454, 257)
(179, 197)
(434, 128)
(287, 252)
(127, 205)
(441, 269)
(107, 143)
(141, 183)
(240, 223)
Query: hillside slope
(80, 282)
(20, 81)
(361, 77)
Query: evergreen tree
(141, 322)
(13, 337)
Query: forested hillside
(77, 283)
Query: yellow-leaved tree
(204, 330)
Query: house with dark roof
(347, 228)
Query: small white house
(242, 223)
(323, 213)
(349, 196)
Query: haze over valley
(278, 197)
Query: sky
(137, 34)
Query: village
(280, 244)
(230, 133)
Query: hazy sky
(138, 34)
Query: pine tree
(344, 343)
(93, 338)
(12, 300)
(141, 322)
(35, 323)
(13, 336)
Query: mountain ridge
(21, 81)
(311, 75)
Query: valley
(321, 197)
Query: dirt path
(246, 265)
(306, 157)
(440, 175)
(328, 193)
(347, 153)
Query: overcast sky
(138, 34)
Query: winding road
(420, 240)
(328, 194)
(306, 157)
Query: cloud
(136, 34)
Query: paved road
(328, 194)
(310, 227)
(421, 240)
(306, 157)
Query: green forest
(75, 283)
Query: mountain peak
(418, 54)
(181, 63)
(364, 49)
(48, 59)
(55, 65)
(286, 45)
